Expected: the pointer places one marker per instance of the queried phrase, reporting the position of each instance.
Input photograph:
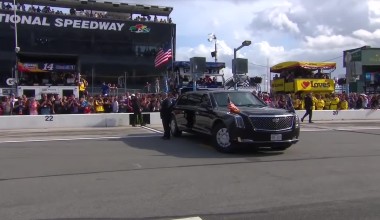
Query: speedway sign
(58, 22)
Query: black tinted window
(194, 99)
(206, 99)
(182, 100)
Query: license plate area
(276, 137)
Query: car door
(192, 112)
(179, 111)
(205, 114)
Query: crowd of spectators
(327, 101)
(49, 79)
(300, 73)
(109, 101)
(150, 102)
(206, 82)
(54, 104)
(85, 13)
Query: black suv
(208, 112)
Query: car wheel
(281, 147)
(174, 128)
(221, 139)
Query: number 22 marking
(49, 118)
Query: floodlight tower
(212, 37)
(245, 43)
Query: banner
(315, 85)
(278, 85)
(76, 23)
(45, 67)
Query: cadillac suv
(232, 117)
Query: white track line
(152, 129)
(353, 128)
(190, 218)
(75, 139)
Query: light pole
(212, 37)
(244, 44)
(265, 79)
(17, 48)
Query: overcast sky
(280, 30)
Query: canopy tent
(279, 68)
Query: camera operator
(73, 104)
(45, 105)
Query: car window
(206, 99)
(238, 98)
(194, 99)
(182, 100)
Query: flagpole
(173, 58)
(17, 48)
(162, 58)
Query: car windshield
(238, 98)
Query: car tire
(174, 128)
(281, 147)
(221, 139)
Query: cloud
(374, 12)
(324, 42)
(324, 29)
(330, 14)
(366, 35)
(281, 21)
(276, 17)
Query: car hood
(260, 111)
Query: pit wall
(123, 119)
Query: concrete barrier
(123, 119)
(63, 121)
(330, 115)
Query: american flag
(231, 106)
(163, 56)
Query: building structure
(50, 41)
(362, 69)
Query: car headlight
(297, 121)
(239, 121)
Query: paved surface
(130, 173)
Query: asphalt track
(130, 173)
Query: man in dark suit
(289, 103)
(165, 113)
(308, 107)
(137, 116)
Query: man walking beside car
(165, 113)
(308, 107)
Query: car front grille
(274, 123)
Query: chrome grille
(272, 123)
